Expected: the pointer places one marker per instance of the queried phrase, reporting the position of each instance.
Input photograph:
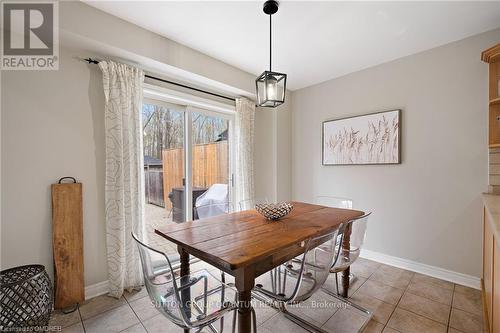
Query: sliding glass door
(187, 164)
(210, 164)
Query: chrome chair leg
(337, 283)
(354, 305)
(273, 279)
(352, 277)
(221, 288)
(210, 326)
(301, 322)
(347, 301)
(280, 306)
(284, 282)
(254, 320)
(279, 279)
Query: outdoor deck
(158, 216)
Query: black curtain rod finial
(91, 61)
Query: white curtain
(244, 142)
(124, 197)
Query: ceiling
(312, 41)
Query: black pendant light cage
(270, 86)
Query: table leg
(186, 293)
(345, 282)
(346, 245)
(245, 281)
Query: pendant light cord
(270, 42)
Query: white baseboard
(97, 289)
(440, 273)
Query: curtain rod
(93, 61)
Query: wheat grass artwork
(367, 139)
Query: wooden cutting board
(67, 231)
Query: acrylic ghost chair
(187, 301)
(313, 262)
(336, 202)
(213, 209)
(250, 203)
(298, 279)
(348, 248)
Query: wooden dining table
(245, 244)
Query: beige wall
(52, 125)
(265, 147)
(284, 150)
(428, 209)
(273, 152)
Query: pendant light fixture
(271, 86)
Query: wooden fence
(153, 179)
(210, 166)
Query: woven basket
(274, 211)
(25, 298)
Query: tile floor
(401, 301)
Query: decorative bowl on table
(274, 211)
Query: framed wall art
(368, 139)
